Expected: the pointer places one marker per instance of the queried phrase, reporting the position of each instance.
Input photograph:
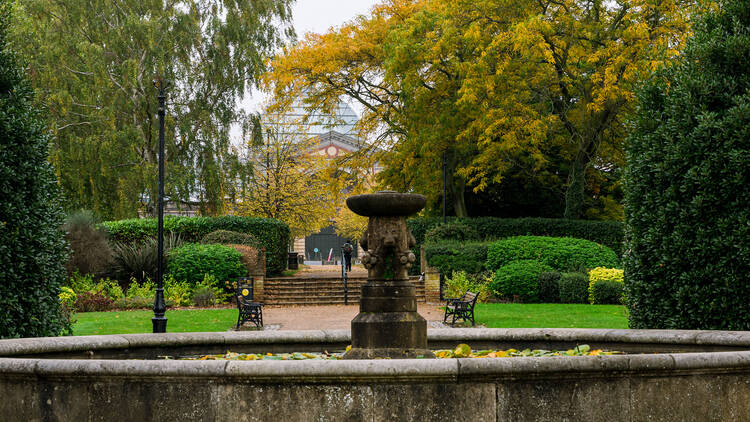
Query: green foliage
(138, 259)
(608, 233)
(193, 261)
(460, 282)
(145, 289)
(455, 231)
(549, 287)
(271, 234)
(605, 292)
(32, 248)
(687, 196)
(226, 237)
(90, 251)
(574, 288)
(519, 280)
(453, 256)
(560, 253)
(178, 292)
(207, 292)
(93, 65)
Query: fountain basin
(683, 375)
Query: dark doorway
(324, 241)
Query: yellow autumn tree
(488, 85)
(289, 181)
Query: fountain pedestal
(388, 325)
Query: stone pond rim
(386, 203)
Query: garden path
(330, 317)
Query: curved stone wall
(40, 379)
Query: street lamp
(159, 321)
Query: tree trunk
(459, 203)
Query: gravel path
(329, 316)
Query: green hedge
(227, 237)
(549, 287)
(574, 288)
(454, 256)
(519, 279)
(605, 292)
(560, 253)
(193, 261)
(272, 234)
(608, 233)
(686, 189)
(454, 231)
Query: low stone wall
(702, 386)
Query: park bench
(249, 311)
(461, 308)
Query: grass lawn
(130, 322)
(495, 315)
(547, 315)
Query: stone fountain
(388, 325)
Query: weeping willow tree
(93, 64)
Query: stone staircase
(319, 290)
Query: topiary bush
(687, 254)
(549, 287)
(605, 292)
(272, 234)
(574, 288)
(193, 261)
(519, 280)
(450, 256)
(454, 231)
(560, 253)
(33, 251)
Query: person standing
(347, 249)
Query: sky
(316, 16)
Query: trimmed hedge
(560, 253)
(271, 234)
(193, 261)
(574, 288)
(549, 287)
(454, 256)
(519, 279)
(226, 237)
(455, 231)
(686, 189)
(608, 233)
(606, 292)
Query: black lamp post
(160, 307)
(445, 169)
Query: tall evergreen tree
(32, 248)
(687, 255)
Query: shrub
(32, 248)
(90, 251)
(519, 280)
(605, 293)
(460, 282)
(560, 253)
(139, 259)
(207, 292)
(273, 235)
(574, 288)
(450, 256)
(225, 237)
(109, 288)
(251, 258)
(454, 231)
(92, 302)
(146, 289)
(178, 292)
(686, 188)
(549, 287)
(193, 261)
